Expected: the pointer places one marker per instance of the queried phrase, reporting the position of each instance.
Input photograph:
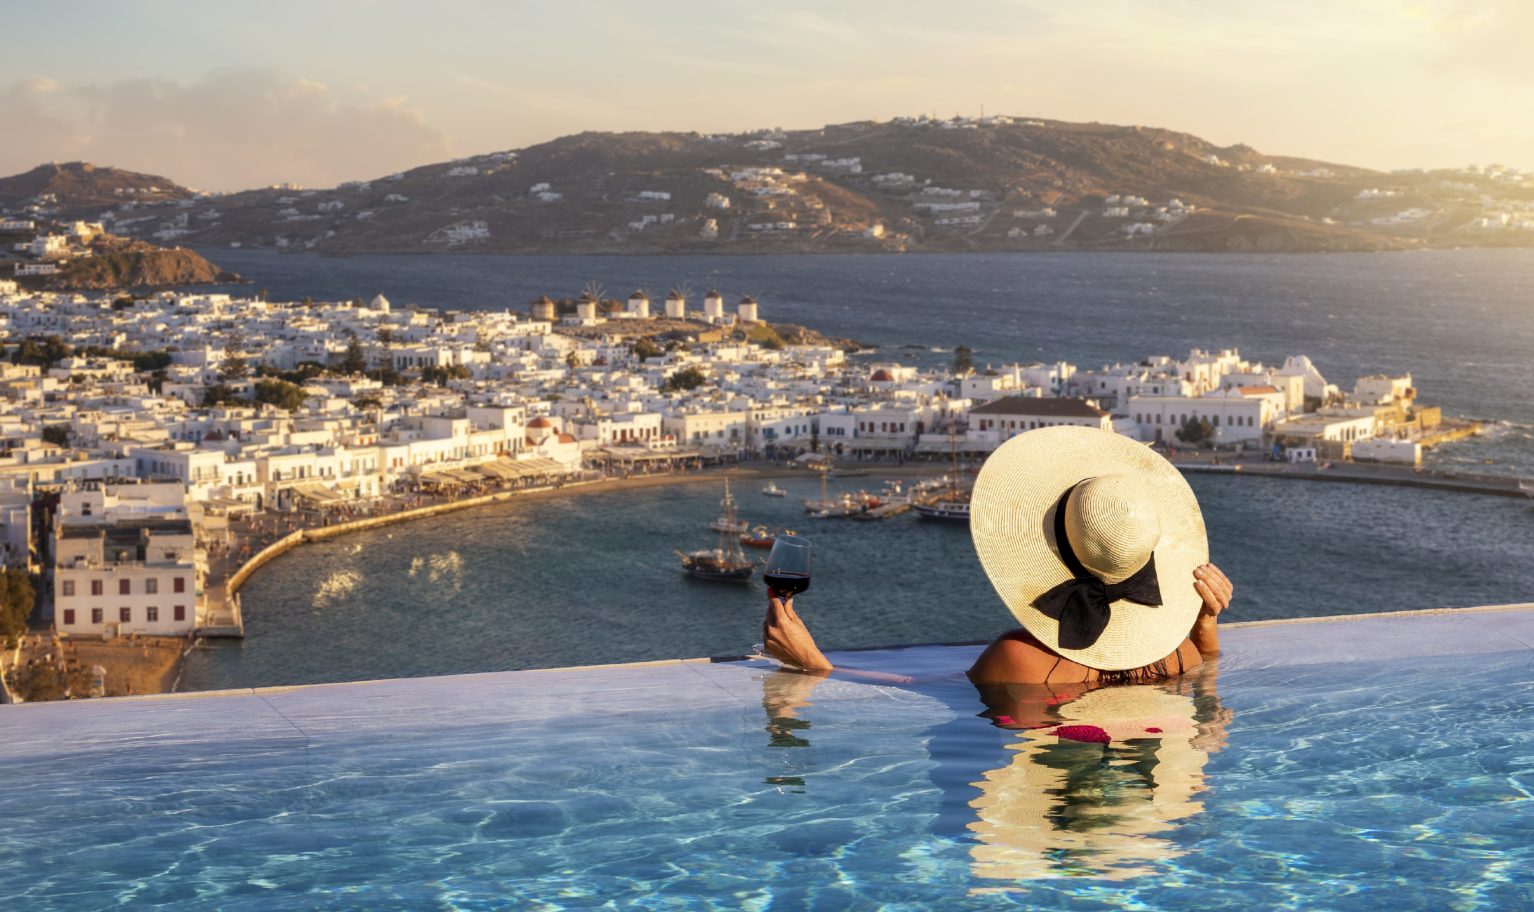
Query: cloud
(231, 130)
(1491, 36)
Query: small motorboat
(772, 490)
(758, 537)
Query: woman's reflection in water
(1095, 779)
(1098, 778)
(784, 695)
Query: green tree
(234, 368)
(56, 434)
(17, 597)
(219, 394)
(287, 396)
(1196, 431)
(644, 349)
(571, 361)
(355, 361)
(963, 361)
(123, 303)
(150, 360)
(385, 335)
(688, 378)
(444, 375)
(44, 352)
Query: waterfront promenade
(1358, 473)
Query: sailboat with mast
(827, 506)
(726, 562)
(949, 503)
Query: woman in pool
(1084, 534)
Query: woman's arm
(786, 639)
(1216, 589)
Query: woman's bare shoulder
(1013, 658)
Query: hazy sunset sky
(225, 96)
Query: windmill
(676, 301)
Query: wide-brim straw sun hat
(1120, 594)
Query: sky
(225, 96)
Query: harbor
(538, 409)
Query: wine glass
(788, 567)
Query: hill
(76, 189)
(136, 265)
(906, 185)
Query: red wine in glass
(787, 583)
(788, 567)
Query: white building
(122, 579)
(747, 310)
(1235, 417)
(713, 307)
(1006, 418)
(638, 307)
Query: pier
(1367, 473)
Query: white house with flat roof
(1237, 417)
(1006, 418)
(130, 577)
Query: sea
(592, 578)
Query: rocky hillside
(81, 189)
(119, 264)
(907, 185)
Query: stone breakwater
(1370, 473)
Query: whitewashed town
(166, 436)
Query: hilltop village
(129, 457)
(916, 183)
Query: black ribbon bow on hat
(1084, 603)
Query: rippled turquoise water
(1364, 785)
(591, 578)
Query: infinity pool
(1367, 763)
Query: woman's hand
(1216, 590)
(786, 639)
(1215, 587)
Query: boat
(718, 565)
(727, 522)
(948, 502)
(758, 537)
(772, 490)
(725, 562)
(827, 506)
(948, 506)
(1526, 486)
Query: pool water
(1360, 764)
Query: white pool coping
(416, 706)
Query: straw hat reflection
(1065, 808)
